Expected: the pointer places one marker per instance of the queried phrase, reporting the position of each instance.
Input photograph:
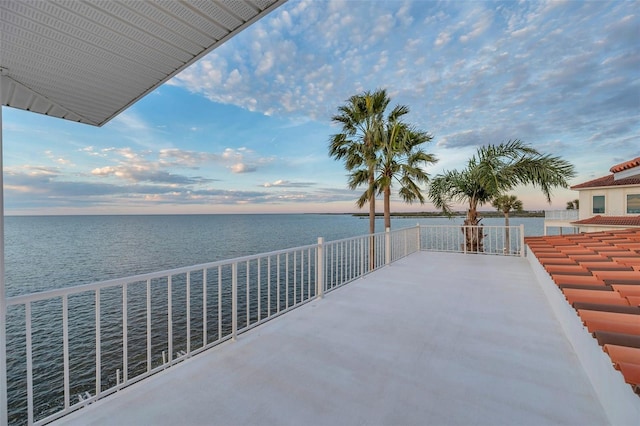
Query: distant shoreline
(525, 213)
(535, 213)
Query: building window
(633, 203)
(598, 204)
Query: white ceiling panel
(89, 60)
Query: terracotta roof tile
(599, 275)
(594, 325)
(619, 252)
(599, 287)
(589, 258)
(610, 220)
(626, 165)
(605, 266)
(623, 353)
(605, 337)
(627, 289)
(574, 269)
(556, 260)
(594, 296)
(629, 261)
(560, 279)
(587, 315)
(631, 373)
(630, 245)
(609, 308)
(617, 275)
(607, 181)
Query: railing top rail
(561, 214)
(43, 295)
(453, 225)
(367, 235)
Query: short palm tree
(504, 204)
(494, 170)
(361, 118)
(573, 205)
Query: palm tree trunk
(473, 234)
(387, 208)
(372, 221)
(372, 204)
(507, 243)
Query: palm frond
(496, 169)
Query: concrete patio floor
(434, 339)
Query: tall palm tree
(494, 170)
(504, 204)
(401, 160)
(361, 118)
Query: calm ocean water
(44, 253)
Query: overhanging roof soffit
(87, 61)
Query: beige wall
(615, 199)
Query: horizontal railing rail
(72, 346)
(567, 215)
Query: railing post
(320, 269)
(4, 411)
(418, 242)
(234, 301)
(405, 235)
(170, 318)
(464, 239)
(522, 248)
(387, 246)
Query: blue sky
(246, 129)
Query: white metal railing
(134, 327)
(72, 346)
(351, 258)
(497, 240)
(567, 215)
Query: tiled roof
(610, 220)
(626, 165)
(607, 181)
(599, 275)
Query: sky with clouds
(246, 129)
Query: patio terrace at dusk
(431, 338)
(434, 338)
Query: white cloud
(443, 39)
(283, 183)
(481, 25)
(383, 25)
(266, 63)
(404, 14)
(235, 78)
(242, 168)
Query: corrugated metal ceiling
(87, 61)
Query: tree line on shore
(458, 213)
